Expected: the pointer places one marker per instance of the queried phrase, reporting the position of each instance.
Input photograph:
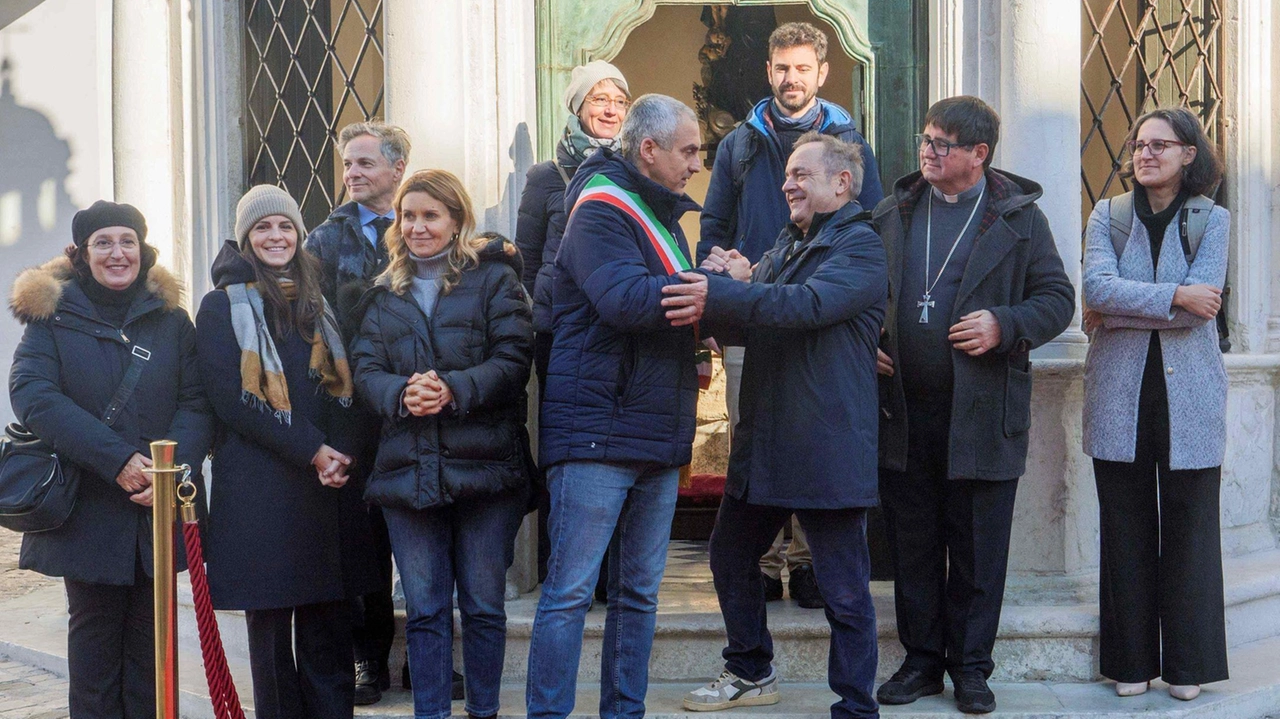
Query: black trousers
(374, 627)
(838, 540)
(949, 545)
(111, 649)
(300, 659)
(1160, 570)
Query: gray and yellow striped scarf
(262, 380)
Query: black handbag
(36, 493)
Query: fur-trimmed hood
(38, 290)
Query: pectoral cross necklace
(927, 300)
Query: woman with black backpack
(1155, 395)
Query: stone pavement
(27, 693)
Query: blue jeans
(838, 540)
(470, 543)
(588, 500)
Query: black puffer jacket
(479, 339)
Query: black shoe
(368, 689)
(772, 588)
(973, 696)
(406, 681)
(907, 685)
(803, 587)
(459, 687)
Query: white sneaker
(731, 691)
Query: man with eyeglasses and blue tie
(975, 283)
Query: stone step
(34, 632)
(1036, 642)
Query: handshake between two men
(686, 302)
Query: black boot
(803, 587)
(459, 687)
(368, 682)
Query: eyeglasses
(941, 147)
(1157, 147)
(104, 246)
(605, 101)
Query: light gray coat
(1135, 300)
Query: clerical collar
(965, 196)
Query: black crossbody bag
(36, 493)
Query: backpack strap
(1193, 219)
(1121, 222)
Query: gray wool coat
(1134, 300)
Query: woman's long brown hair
(464, 249)
(304, 270)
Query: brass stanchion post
(163, 510)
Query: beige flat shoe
(1185, 692)
(1131, 689)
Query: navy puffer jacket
(622, 383)
(479, 340)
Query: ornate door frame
(572, 32)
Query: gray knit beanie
(263, 201)
(585, 77)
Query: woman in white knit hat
(275, 370)
(597, 99)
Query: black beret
(107, 214)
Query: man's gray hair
(654, 116)
(837, 156)
(393, 141)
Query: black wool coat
(1015, 272)
(479, 340)
(539, 229)
(67, 367)
(277, 537)
(810, 323)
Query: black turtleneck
(112, 305)
(1156, 222)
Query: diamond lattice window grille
(313, 66)
(1139, 55)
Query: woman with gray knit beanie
(443, 356)
(275, 370)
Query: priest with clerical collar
(975, 284)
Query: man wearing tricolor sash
(617, 419)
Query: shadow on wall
(35, 209)
(501, 218)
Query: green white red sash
(603, 189)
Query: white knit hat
(585, 77)
(263, 201)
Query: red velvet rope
(222, 691)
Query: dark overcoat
(1015, 272)
(622, 383)
(347, 258)
(66, 369)
(479, 340)
(806, 437)
(276, 534)
(539, 229)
